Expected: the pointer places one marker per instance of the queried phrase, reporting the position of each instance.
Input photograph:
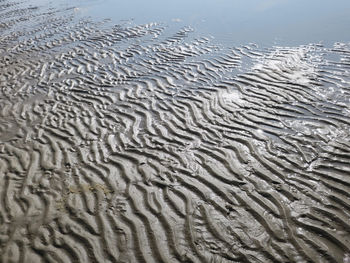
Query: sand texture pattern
(131, 143)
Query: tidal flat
(130, 141)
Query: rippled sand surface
(133, 143)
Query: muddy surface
(134, 143)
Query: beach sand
(132, 143)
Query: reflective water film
(284, 22)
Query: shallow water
(235, 22)
(161, 139)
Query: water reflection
(239, 21)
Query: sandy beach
(127, 142)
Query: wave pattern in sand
(127, 143)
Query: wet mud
(133, 143)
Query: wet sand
(132, 143)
